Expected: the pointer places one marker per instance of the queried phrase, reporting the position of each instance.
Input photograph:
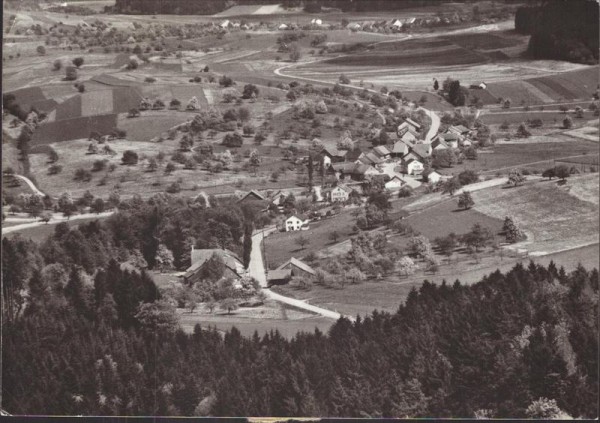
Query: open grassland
(553, 218)
(70, 129)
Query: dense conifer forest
(561, 30)
(83, 334)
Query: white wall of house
(293, 224)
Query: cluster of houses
(400, 165)
(398, 24)
(233, 268)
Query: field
(150, 124)
(280, 246)
(69, 129)
(388, 293)
(553, 218)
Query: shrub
(57, 65)
(41, 50)
(70, 73)
(226, 81)
(129, 157)
(78, 61)
(149, 79)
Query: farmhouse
(431, 176)
(459, 130)
(296, 223)
(409, 136)
(451, 139)
(382, 152)
(252, 196)
(341, 193)
(283, 27)
(422, 150)
(395, 183)
(370, 159)
(406, 125)
(233, 267)
(333, 155)
(353, 26)
(316, 21)
(413, 167)
(438, 143)
(298, 268)
(400, 149)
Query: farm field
(150, 124)
(553, 218)
(387, 294)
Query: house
(461, 130)
(382, 152)
(316, 21)
(422, 150)
(406, 125)
(233, 267)
(252, 195)
(353, 155)
(225, 24)
(396, 24)
(395, 183)
(296, 223)
(298, 268)
(370, 159)
(482, 85)
(353, 26)
(400, 149)
(409, 136)
(466, 143)
(438, 143)
(333, 155)
(451, 139)
(413, 167)
(282, 27)
(431, 176)
(278, 277)
(341, 193)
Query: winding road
(30, 184)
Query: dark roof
(254, 194)
(199, 257)
(279, 274)
(299, 264)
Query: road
(30, 184)
(56, 218)
(256, 269)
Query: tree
(78, 61)
(515, 178)
(549, 173)
(57, 65)
(456, 95)
(229, 305)
(302, 241)
(447, 244)
(443, 158)
(233, 140)
(478, 237)
(130, 157)
(522, 131)
(419, 246)
(451, 186)
(465, 200)
(41, 50)
(467, 177)
(436, 85)
(295, 53)
(226, 81)
(511, 231)
(343, 79)
(334, 236)
(52, 155)
(254, 160)
(98, 206)
(406, 266)
(562, 172)
(247, 245)
(249, 90)
(546, 409)
(568, 122)
(70, 73)
(157, 317)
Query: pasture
(553, 218)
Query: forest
(84, 334)
(561, 30)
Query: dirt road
(256, 269)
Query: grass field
(70, 129)
(280, 246)
(553, 218)
(150, 124)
